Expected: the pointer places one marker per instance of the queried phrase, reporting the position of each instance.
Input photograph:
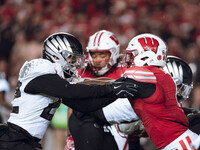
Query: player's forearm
(52, 84)
(87, 105)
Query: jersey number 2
(46, 112)
(17, 90)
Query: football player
(182, 75)
(163, 119)
(42, 86)
(89, 132)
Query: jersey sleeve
(143, 78)
(87, 105)
(119, 111)
(53, 85)
(140, 74)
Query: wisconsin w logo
(149, 44)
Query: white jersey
(33, 108)
(119, 111)
(116, 112)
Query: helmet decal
(99, 38)
(95, 38)
(114, 38)
(149, 44)
(66, 50)
(181, 73)
(159, 57)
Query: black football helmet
(182, 75)
(65, 49)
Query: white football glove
(129, 128)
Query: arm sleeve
(112, 113)
(53, 85)
(87, 105)
(119, 111)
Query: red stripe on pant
(183, 144)
(189, 141)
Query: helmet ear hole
(144, 58)
(56, 58)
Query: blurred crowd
(24, 24)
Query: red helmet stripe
(100, 37)
(95, 39)
(114, 38)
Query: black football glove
(122, 89)
(194, 118)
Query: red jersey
(162, 118)
(115, 73)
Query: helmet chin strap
(102, 70)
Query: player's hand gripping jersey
(160, 111)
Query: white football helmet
(65, 49)
(146, 49)
(103, 41)
(181, 73)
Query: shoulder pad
(36, 67)
(141, 74)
